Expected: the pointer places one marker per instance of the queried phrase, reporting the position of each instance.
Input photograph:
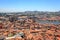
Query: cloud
(9, 10)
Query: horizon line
(26, 11)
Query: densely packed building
(29, 28)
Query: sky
(29, 5)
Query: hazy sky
(29, 5)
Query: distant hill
(32, 13)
